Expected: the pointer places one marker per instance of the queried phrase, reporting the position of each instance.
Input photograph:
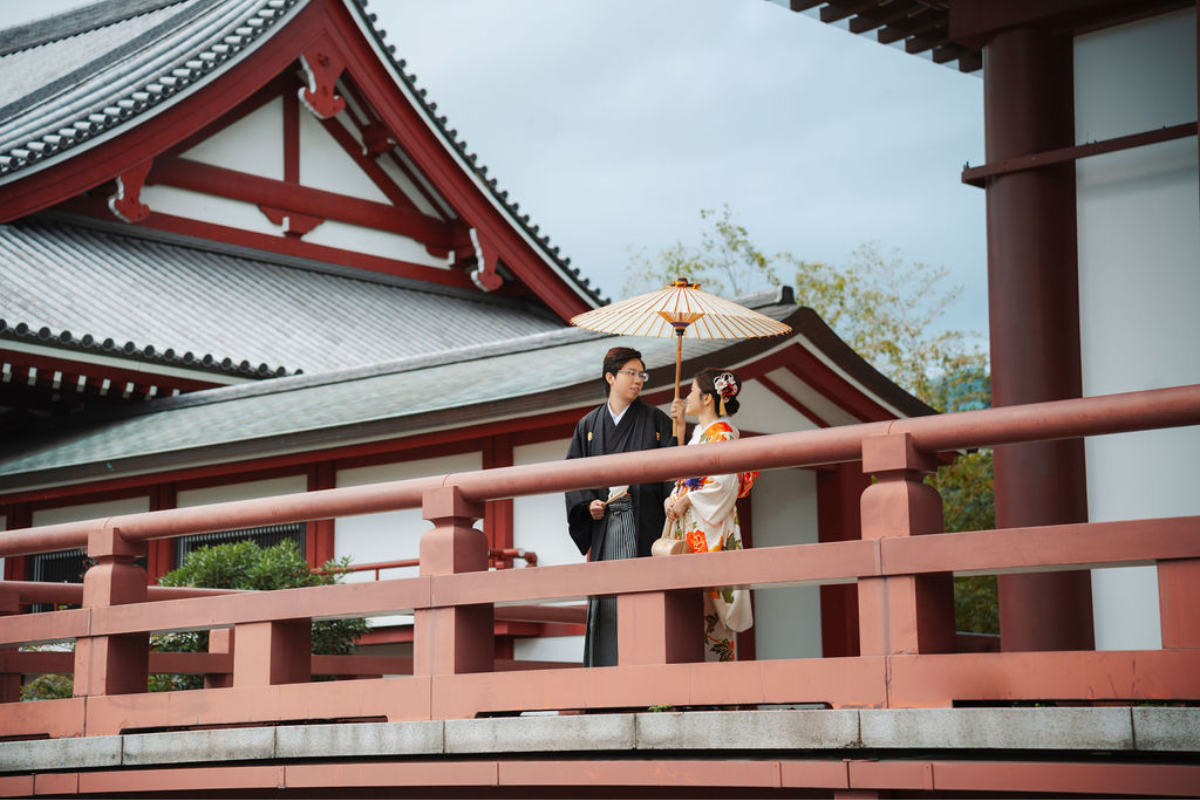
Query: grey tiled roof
(530, 375)
(85, 76)
(109, 293)
(80, 88)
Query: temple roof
(470, 386)
(188, 303)
(89, 76)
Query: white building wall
(85, 511)
(540, 525)
(1139, 286)
(787, 619)
(391, 535)
(249, 490)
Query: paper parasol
(679, 310)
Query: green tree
(245, 565)
(725, 263)
(888, 311)
(237, 565)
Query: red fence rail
(259, 665)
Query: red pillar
(1033, 295)
(839, 519)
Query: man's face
(627, 382)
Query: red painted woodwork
(285, 245)
(498, 515)
(367, 162)
(293, 223)
(839, 519)
(319, 534)
(320, 29)
(291, 137)
(125, 204)
(792, 401)
(197, 177)
(322, 63)
(1033, 306)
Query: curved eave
(92, 113)
(88, 345)
(809, 332)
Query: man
(625, 526)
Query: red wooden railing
(260, 666)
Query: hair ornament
(726, 385)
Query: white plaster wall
(410, 189)
(253, 144)
(391, 535)
(249, 490)
(325, 165)
(100, 510)
(540, 525)
(209, 208)
(540, 521)
(566, 649)
(372, 241)
(1139, 285)
(787, 620)
(762, 411)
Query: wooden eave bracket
(322, 66)
(485, 275)
(376, 139)
(125, 203)
(294, 223)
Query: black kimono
(629, 526)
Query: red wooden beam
(197, 177)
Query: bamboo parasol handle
(678, 365)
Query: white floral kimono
(709, 524)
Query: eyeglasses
(633, 373)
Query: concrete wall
(1139, 284)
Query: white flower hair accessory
(726, 385)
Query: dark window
(62, 566)
(265, 537)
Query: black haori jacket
(642, 428)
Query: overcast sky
(614, 122)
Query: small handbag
(666, 545)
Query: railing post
(106, 665)
(902, 614)
(220, 640)
(271, 653)
(1178, 600)
(456, 639)
(660, 628)
(10, 682)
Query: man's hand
(596, 509)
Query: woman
(703, 510)
(622, 522)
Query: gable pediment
(315, 145)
